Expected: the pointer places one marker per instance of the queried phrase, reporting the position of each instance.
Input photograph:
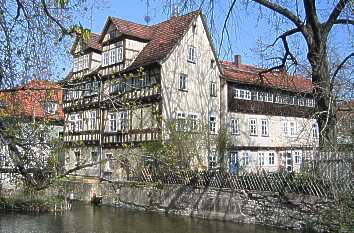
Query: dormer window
(113, 55)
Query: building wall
(196, 98)
(276, 136)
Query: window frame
(264, 128)
(213, 90)
(252, 126)
(235, 126)
(183, 82)
(191, 57)
(212, 124)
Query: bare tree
(34, 39)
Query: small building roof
(29, 100)
(249, 74)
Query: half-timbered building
(128, 82)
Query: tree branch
(287, 51)
(334, 15)
(283, 11)
(64, 31)
(344, 21)
(340, 66)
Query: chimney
(237, 59)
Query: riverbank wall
(282, 210)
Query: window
(315, 130)
(193, 121)
(119, 54)
(108, 166)
(252, 127)
(278, 99)
(191, 54)
(261, 158)
(261, 96)
(285, 128)
(123, 121)
(292, 128)
(234, 126)
(292, 100)
(92, 121)
(301, 101)
(91, 88)
(72, 122)
(181, 121)
(269, 97)
(76, 94)
(264, 126)
(78, 122)
(194, 28)
(118, 87)
(212, 63)
(81, 63)
(94, 156)
(186, 122)
(310, 103)
(297, 157)
(246, 158)
(114, 55)
(105, 61)
(213, 89)
(112, 120)
(183, 82)
(50, 107)
(271, 158)
(242, 94)
(212, 124)
(77, 157)
(212, 160)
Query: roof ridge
(128, 21)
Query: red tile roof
(28, 100)
(94, 42)
(164, 37)
(132, 29)
(250, 75)
(161, 38)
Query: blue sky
(135, 10)
(247, 29)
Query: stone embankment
(265, 208)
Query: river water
(86, 219)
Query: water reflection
(84, 218)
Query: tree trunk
(323, 94)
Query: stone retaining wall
(273, 209)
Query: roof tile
(250, 75)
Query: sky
(135, 10)
(247, 29)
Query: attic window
(194, 28)
(113, 33)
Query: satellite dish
(147, 19)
